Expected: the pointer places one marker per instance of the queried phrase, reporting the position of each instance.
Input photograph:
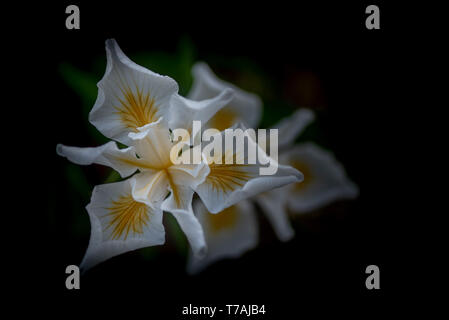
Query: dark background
(323, 269)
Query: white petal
(119, 224)
(185, 111)
(291, 127)
(228, 184)
(124, 161)
(325, 179)
(193, 231)
(228, 234)
(182, 178)
(129, 96)
(274, 205)
(244, 107)
(153, 145)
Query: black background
(319, 272)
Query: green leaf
(114, 176)
(85, 85)
(176, 234)
(186, 59)
(149, 253)
(78, 181)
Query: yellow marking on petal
(228, 177)
(223, 119)
(127, 215)
(225, 219)
(136, 108)
(308, 175)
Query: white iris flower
(138, 107)
(235, 230)
(245, 107)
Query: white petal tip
(60, 150)
(307, 114)
(201, 67)
(83, 270)
(110, 43)
(287, 236)
(84, 266)
(200, 253)
(298, 175)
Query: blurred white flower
(244, 107)
(228, 234)
(138, 107)
(324, 178)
